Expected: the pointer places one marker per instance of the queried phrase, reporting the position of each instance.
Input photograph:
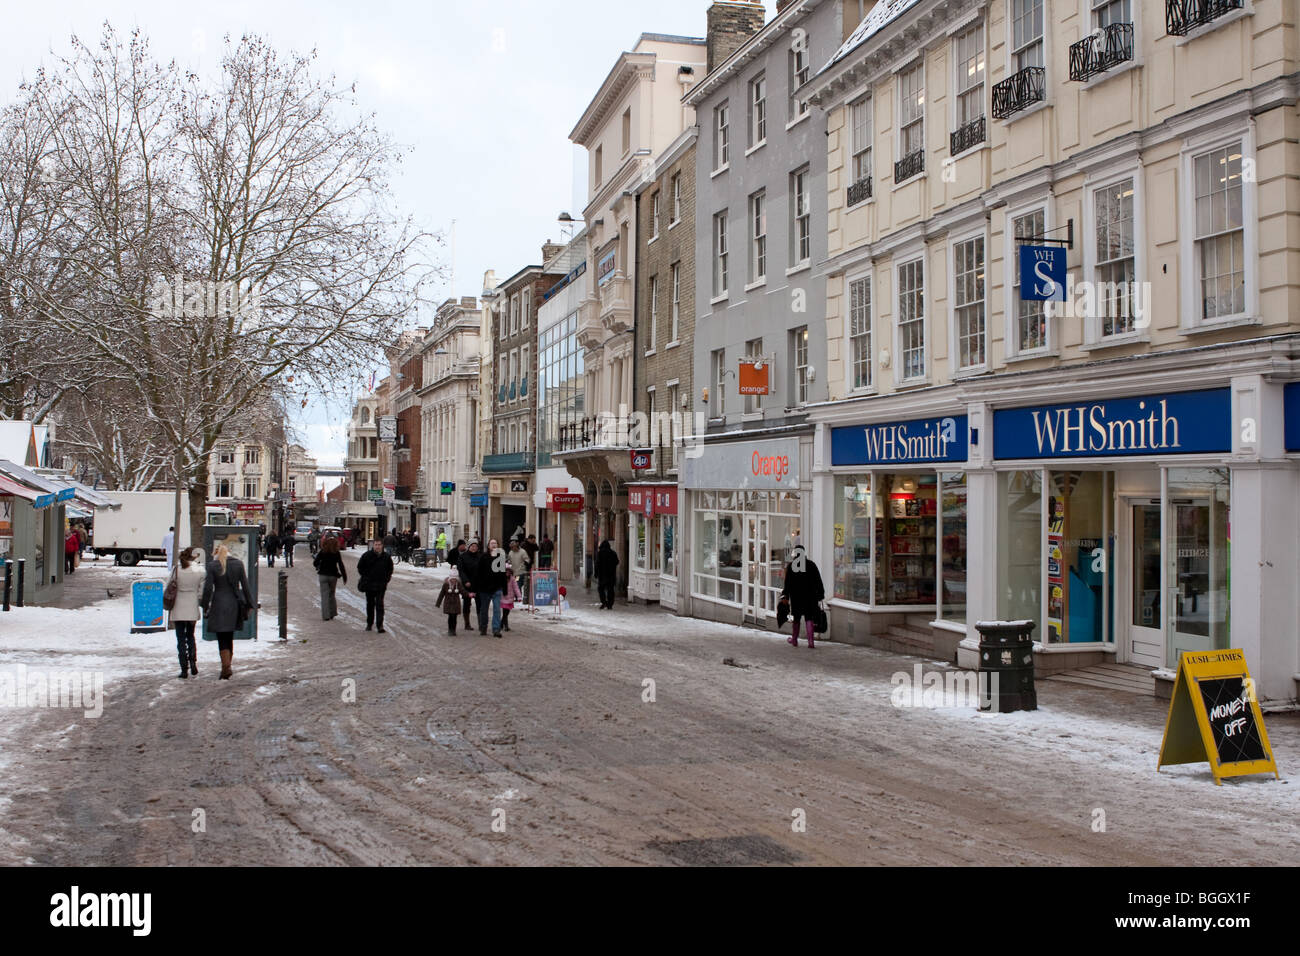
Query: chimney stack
(730, 25)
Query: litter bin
(1006, 666)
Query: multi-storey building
(561, 408)
(250, 478)
(665, 331)
(635, 115)
(405, 494)
(449, 400)
(362, 464)
(759, 350)
(509, 462)
(301, 483)
(1115, 467)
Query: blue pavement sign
(147, 612)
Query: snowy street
(542, 748)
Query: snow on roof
(16, 438)
(880, 16)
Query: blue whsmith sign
(1042, 273)
(920, 440)
(1179, 423)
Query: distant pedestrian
(546, 551)
(509, 596)
(467, 565)
(374, 571)
(329, 567)
(168, 542)
(530, 546)
(440, 547)
(389, 544)
(606, 574)
(270, 547)
(804, 589)
(226, 602)
(452, 601)
(70, 548)
(313, 541)
(288, 541)
(189, 576)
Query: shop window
(669, 527)
(1020, 546)
(952, 547)
(1078, 549)
(1198, 524)
(909, 545)
(853, 539)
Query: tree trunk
(198, 504)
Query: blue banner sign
(1291, 407)
(446, 487)
(147, 612)
(901, 443)
(43, 501)
(1042, 273)
(1182, 423)
(546, 588)
(478, 500)
(66, 494)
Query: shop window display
(910, 541)
(1078, 549)
(953, 547)
(1020, 546)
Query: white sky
(486, 93)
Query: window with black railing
(1184, 16)
(1101, 51)
(860, 191)
(972, 134)
(913, 164)
(1019, 91)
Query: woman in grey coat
(225, 594)
(189, 575)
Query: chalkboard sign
(147, 614)
(1227, 703)
(1214, 716)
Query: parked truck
(135, 531)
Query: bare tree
(217, 239)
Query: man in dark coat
(606, 573)
(467, 567)
(547, 550)
(375, 570)
(805, 591)
(489, 584)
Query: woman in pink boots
(803, 587)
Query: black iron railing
(972, 134)
(1101, 51)
(1019, 91)
(860, 191)
(1184, 16)
(913, 164)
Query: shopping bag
(821, 623)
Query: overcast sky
(485, 93)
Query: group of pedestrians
(220, 591)
(274, 545)
(488, 581)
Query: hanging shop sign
(756, 465)
(641, 458)
(566, 503)
(446, 487)
(1180, 423)
(478, 499)
(550, 496)
(754, 377)
(901, 443)
(1042, 273)
(1214, 716)
(518, 486)
(664, 499)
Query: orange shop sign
(754, 377)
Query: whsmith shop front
(1128, 527)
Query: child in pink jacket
(508, 599)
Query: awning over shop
(17, 490)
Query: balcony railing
(512, 461)
(860, 191)
(972, 134)
(1184, 16)
(1101, 51)
(913, 164)
(1019, 91)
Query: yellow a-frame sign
(1214, 716)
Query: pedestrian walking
(374, 571)
(606, 573)
(189, 576)
(509, 596)
(70, 548)
(546, 551)
(467, 565)
(313, 541)
(271, 546)
(452, 601)
(390, 544)
(530, 548)
(226, 602)
(440, 547)
(168, 542)
(489, 583)
(329, 568)
(804, 591)
(288, 541)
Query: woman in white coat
(189, 575)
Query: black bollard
(22, 575)
(284, 605)
(9, 574)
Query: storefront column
(981, 532)
(821, 516)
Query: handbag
(782, 611)
(169, 595)
(821, 623)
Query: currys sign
(901, 443)
(1181, 423)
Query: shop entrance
(1144, 638)
(759, 598)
